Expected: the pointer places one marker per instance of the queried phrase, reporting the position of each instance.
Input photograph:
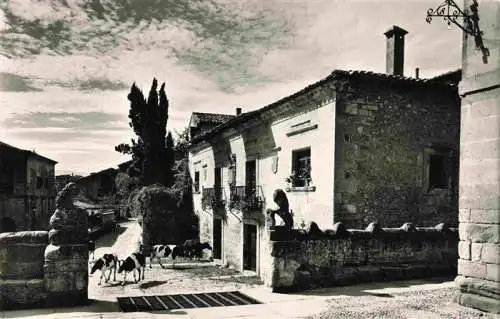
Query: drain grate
(185, 301)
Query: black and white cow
(164, 251)
(134, 262)
(106, 262)
(91, 248)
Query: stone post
(478, 277)
(66, 256)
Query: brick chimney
(238, 111)
(395, 55)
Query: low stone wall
(22, 269)
(313, 258)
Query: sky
(66, 66)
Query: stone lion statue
(283, 211)
(68, 223)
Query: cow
(190, 247)
(164, 251)
(91, 248)
(134, 262)
(201, 249)
(106, 262)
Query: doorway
(250, 247)
(217, 243)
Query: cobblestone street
(186, 277)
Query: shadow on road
(92, 306)
(153, 283)
(108, 239)
(364, 289)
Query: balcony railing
(246, 198)
(212, 198)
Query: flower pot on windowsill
(293, 179)
(309, 188)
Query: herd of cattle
(191, 249)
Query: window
(6, 179)
(39, 182)
(197, 181)
(301, 167)
(438, 167)
(438, 177)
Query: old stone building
(27, 189)
(355, 147)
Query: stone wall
(385, 134)
(21, 269)
(233, 242)
(302, 259)
(478, 278)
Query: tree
(169, 161)
(182, 144)
(148, 119)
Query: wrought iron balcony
(246, 198)
(212, 198)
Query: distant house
(99, 184)
(355, 147)
(203, 122)
(62, 180)
(27, 189)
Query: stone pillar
(66, 256)
(478, 277)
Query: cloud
(211, 37)
(91, 84)
(83, 121)
(14, 83)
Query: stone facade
(386, 134)
(478, 277)
(27, 189)
(369, 139)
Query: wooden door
(217, 244)
(250, 247)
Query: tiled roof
(335, 75)
(106, 171)
(215, 118)
(29, 153)
(449, 77)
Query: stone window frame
(307, 187)
(428, 152)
